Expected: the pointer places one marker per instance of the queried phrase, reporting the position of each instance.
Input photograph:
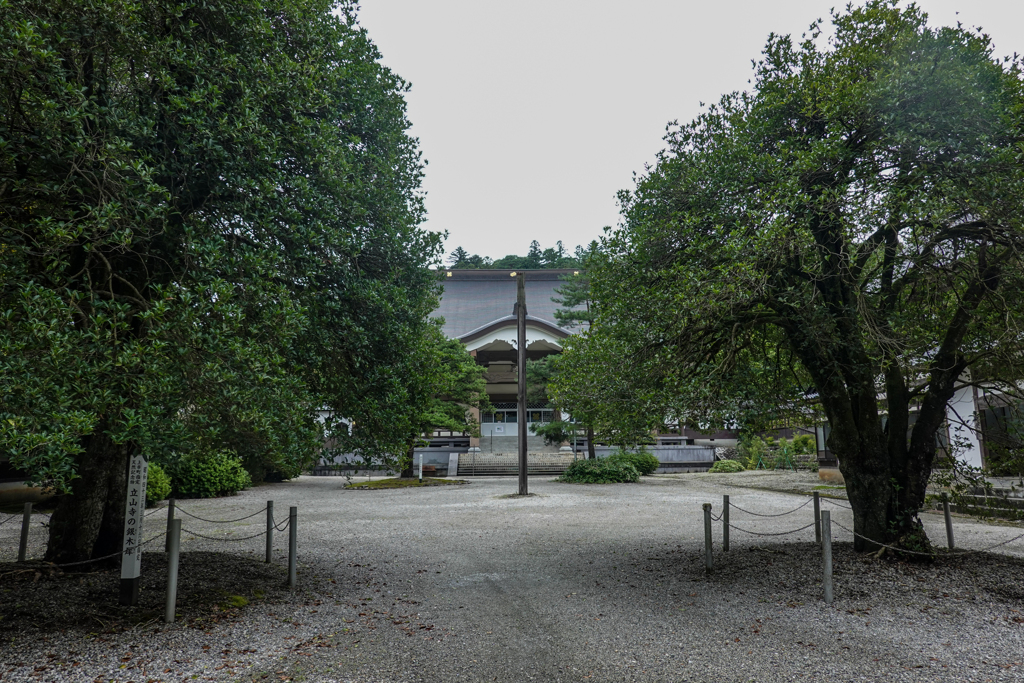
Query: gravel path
(600, 583)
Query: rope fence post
(270, 529)
(174, 543)
(817, 518)
(949, 520)
(170, 519)
(708, 559)
(725, 524)
(826, 554)
(26, 521)
(293, 542)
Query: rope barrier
(781, 514)
(284, 524)
(220, 521)
(983, 550)
(107, 557)
(834, 501)
(781, 533)
(955, 552)
(7, 520)
(223, 538)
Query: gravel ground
(603, 583)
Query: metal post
(421, 468)
(826, 554)
(521, 361)
(725, 524)
(174, 543)
(949, 520)
(26, 521)
(170, 518)
(293, 544)
(817, 518)
(270, 529)
(708, 560)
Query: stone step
(1000, 492)
(988, 511)
(505, 464)
(994, 501)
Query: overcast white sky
(533, 114)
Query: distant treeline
(537, 258)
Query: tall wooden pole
(521, 356)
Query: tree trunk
(87, 523)
(591, 453)
(407, 472)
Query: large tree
(848, 232)
(443, 382)
(210, 216)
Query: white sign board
(134, 512)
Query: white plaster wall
(960, 409)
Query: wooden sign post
(134, 513)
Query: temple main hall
(477, 308)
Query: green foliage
(209, 474)
(209, 217)
(158, 485)
(574, 305)
(644, 462)
(850, 225)
(773, 453)
(436, 384)
(753, 449)
(539, 374)
(803, 444)
(600, 471)
(555, 432)
(535, 259)
(727, 467)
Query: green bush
(158, 485)
(726, 467)
(804, 444)
(752, 448)
(210, 474)
(644, 462)
(600, 471)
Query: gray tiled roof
(473, 298)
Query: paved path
(601, 583)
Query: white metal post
(174, 547)
(826, 554)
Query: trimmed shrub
(726, 467)
(158, 485)
(600, 471)
(206, 475)
(644, 462)
(753, 449)
(804, 444)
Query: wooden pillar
(521, 356)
